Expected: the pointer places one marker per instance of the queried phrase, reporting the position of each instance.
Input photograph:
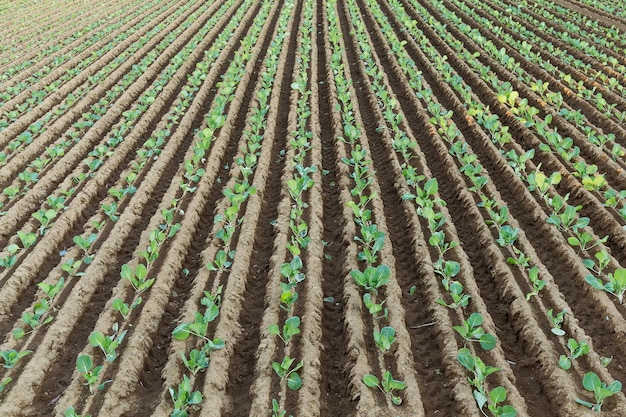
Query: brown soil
(336, 343)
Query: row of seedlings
(427, 201)
(541, 182)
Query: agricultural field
(312, 208)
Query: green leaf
(591, 381)
(475, 320)
(508, 411)
(564, 362)
(196, 398)
(497, 395)
(370, 380)
(294, 382)
(466, 359)
(481, 399)
(181, 332)
(273, 329)
(18, 333)
(84, 364)
(97, 339)
(487, 341)
(558, 332)
(595, 282)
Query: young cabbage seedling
(538, 284)
(615, 286)
(184, 398)
(284, 371)
(4, 382)
(71, 412)
(385, 338)
(123, 308)
(11, 357)
(107, 344)
(84, 365)
(277, 410)
(577, 349)
(137, 277)
(497, 396)
(387, 385)
(471, 331)
(197, 361)
(556, 322)
(601, 391)
(290, 329)
(372, 278)
(373, 307)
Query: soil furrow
(88, 195)
(77, 59)
(83, 105)
(334, 371)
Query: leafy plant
(28, 239)
(51, 290)
(277, 411)
(477, 367)
(4, 382)
(557, 321)
(71, 412)
(10, 358)
(184, 398)
(577, 349)
(385, 338)
(388, 385)
(600, 390)
(373, 307)
(137, 277)
(108, 343)
(372, 278)
(125, 309)
(537, 283)
(34, 319)
(284, 371)
(615, 286)
(85, 366)
(290, 329)
(197, 361)
(199, 327)
(496, 396)
(471, 331)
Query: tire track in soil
(454, 383)
(334, 370)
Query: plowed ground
(103, 105)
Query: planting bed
(312, 208)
